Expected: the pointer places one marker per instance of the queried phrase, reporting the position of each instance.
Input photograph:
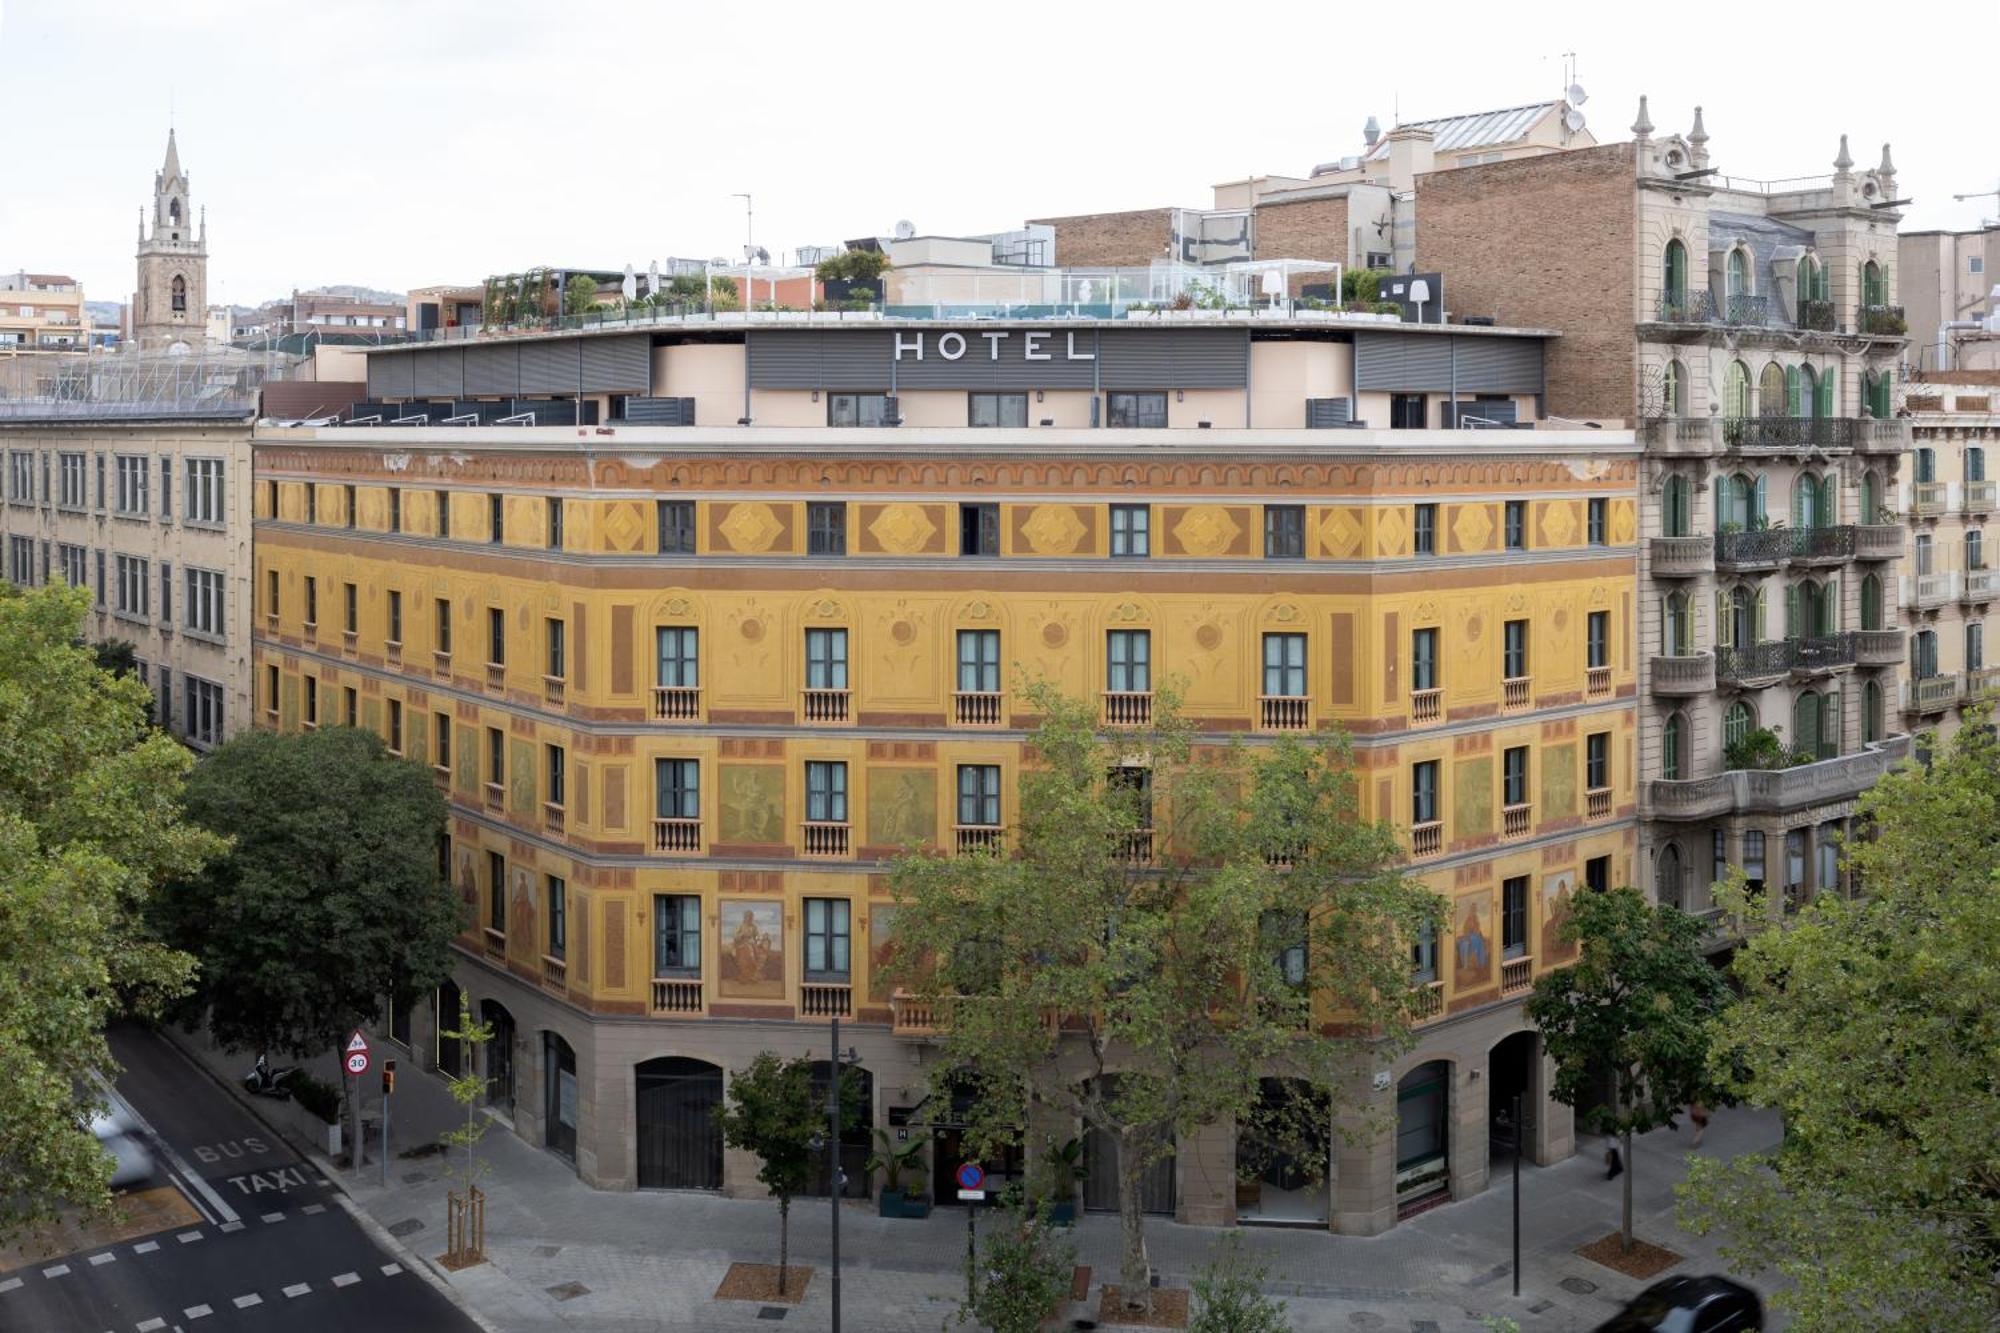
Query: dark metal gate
(680, 1136)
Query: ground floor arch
(499, 1054)
(678, 1122)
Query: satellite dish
(905, 229)
(1577, 96)
(763, 255)
(1573, 120)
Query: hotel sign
(1034, 345)
(908, 360)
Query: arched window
(1738, 722)
(1677, 507)
(1809, 609)
(1739, 502)
(174, 212)
(1975, 463)
(1871, 712)
(1674, 390)
(1673, 746)
(1826, 502)
(1805, 499)
(1736, 390)
(1677, 625)
(1806, 723)
(1975, 549)
(1667, 876)
(1674, 282)
(1882, 396)
(1805, 392)
(1743, 622)
(1874, 290)
(1815, 311)
(180, 292)
(1871, 496)
(1771, 393)
(1738, 278)
(1829, 391)
(1871, 601)
(1923, 654)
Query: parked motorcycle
(265, 1081)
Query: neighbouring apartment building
(690, 673)
(42, 312)
(1947, 281)
(1950, 582)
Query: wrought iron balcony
(1687, 308)
(1777, 657)
(1788, 434)
(1694, 674)
(1822, 546)
(1819, 653)
(1879, 541)
(1746, 309)
(1682, 557)
(1816, 316)
(1884, 321)
(1878, 647)
(1763, 548)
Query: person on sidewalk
(1699, 1115)
(1614, 1162)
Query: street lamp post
(834, 1181)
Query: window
(1128, 665)
(1975, 549)
(1677, 625)
(351, 612)
(441, 613)
(71, 561)
(979, 795)
(1737, 280)
(1597, 761)
(1514, 916)
(1925, 554)
(558, 900)
(395, 726)
(1674, 281)
(496, 757)
(1673, 389)
(679, 657)
(496, 892)
(857, 409)
(979, 661)
(1924, 654)
(74, 488)
(979, 529)
(1871, 712)
(312, 502)
(1975, 263)
(203, 716)
(555, 505)
(441, 747)
(1424, 659)
(1285, 937)
(1718, 855)
(496, 519)
(179, 291)
(675, 519)
(100, 579)
(1131, 535)
(1975, 464)
(1285, 666)
(1736, 391)
(395, 509)
(1514, 650)
(1424, 792)
(1514, 775)
(826, 659)
(271, 690)
(166, 586)
(827, 939)
(826, 529)
(133, 576)
(676, 935)
(203, 604)
(826, 792)
(1597, 639)
(395, 616)
(444, 514)
(21, 562)
(21, 476)
(1424, 530)
(347, 504)
(1677, 507)
(554, 763)
(1597, 874)
(100, 480)
(1874, 286)
(132, 479)
(1517, 523)
(677, 788)
(997, 409)
(312, 701)
(1424, 955)
(1599, 521)
(1975, 645)
(166, 486)
(1737, 723)
(1136, 410)
(556, 667)
(496, 636)
(1284, 532)
(1673, 746)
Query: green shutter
(1721, 501)
(1792, 611)
(1757, 629)
(1757, 509)
(1724, 622)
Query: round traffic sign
(971, 1176)
(357, 1062)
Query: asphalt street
(268, 1246)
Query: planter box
(311, 1128)
(895, 1203)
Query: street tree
(1172, 925)
(1870, 1025)
(330, 900)
(775, 1113)
(91, 824)
(466, 1212)
(1229, 1294)
(1632, 1012)
(1027, 1266)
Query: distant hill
(104, 312)
(345, 291)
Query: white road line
(390, 1270)
(227, 1227)
(196, 1312)
(10, 1284)
(201, 1187)
(313, 1209)
(346, 1279)
(147, 1246)
(188, 1237)
(272, 1217)
(245, 1302)
(298, 1289)
(106, 1258)
(152, 1325)
(56, 1271)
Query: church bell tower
(170, 304)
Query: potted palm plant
(1062, 1171)
(892, 1159)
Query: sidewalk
(566, 1257)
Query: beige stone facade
(170, 302)
(1950, 581)
(1948, 277)
(42, 312)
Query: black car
(1689, 1305)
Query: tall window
(827, 939)
(496, 519)
(1924, 654)
(1871, 601)
(312, 701)
(1737, 723)
(443, 509)
(979, 529)
(1285, 665)
(555, 533)
(496, 892)
(1130, 530)
(1597, 639)
(558, 909)
(1517, 523)
(1975, 464)
(1673, 747)
(677, 788)
(1926, 463)
(496, 636)
(1771, 391)
(1975, 645)
(1599, 525)
(347, 504)
(1926, 554)
(1128, 667)
(395, 616)
(826, 659)
(203, 718)
(555, 766)
(1975, 549)
(1138, 410)
(1284, 532)
(496, 757)
(1673, 390)
(1424, 792)
(74, 494)
(133, 479)
(441, 613)
(1736, 390)
(1424, 659)
(1514, 775)
(202, 607)
(675, 519)
(1514, 916)
(395, 726)
(1674, 280)
(979, 661)
(351, 609)
(679, 657)
(1677, 625)
(1424, 529)
(1737, 278)
(1423, 955)
(1597, 761)
(395, 509)
(1514, 649)
(180, 287)
(1874, 285)
(676, 935)
(826, 528)
(1871, 713)
(441, 745)
(979, 795)
(826, 792)
(556, 667)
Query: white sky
(400, 143)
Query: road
(260, 1242)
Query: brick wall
(1546, 242)
(1134, 238)
(1307, 229)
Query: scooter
(265, 1081)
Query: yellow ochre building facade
(688, 687)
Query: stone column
(1467, 1152)
(1555, 1124)
(1205, 1191)
(1364, 1169)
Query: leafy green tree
(1229, 1295)
(1172, 927)
(117, 656)
(852, 266)
(579, 293)
(1870, 1024)
(90, 825)
(1029, 1264)
(774, 1114)
(330, 899)
(466, 1088)
(1633, 1012)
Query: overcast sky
(400, 143)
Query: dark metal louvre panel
(1499, 365)
(784, 359)
(440, 371)
(1174, 358)
(659, 411)
(1402, 362)
(617, 365)
(548, 367)
(974, 369)
(855, 360)
(493, 370)
(390, 376)
(1326, 413)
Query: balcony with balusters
(1681, 557)
(676, 703)
(1932, 694)
(1879, 541)
(1681, 676)
(1774, 791)
(1978, 586)
(1878, 647)
(1928, 499)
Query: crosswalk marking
(298, 1289)
(188, 1237)
(10, 1284)
(390, 1270)
(346, 1279)
(146, 1247)
(313, 1209)
(57, 1271)
(98, 1260)
(245, 1302)
(196, 1312)
(152, 1325)
(274, 1217)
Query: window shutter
(1758, 627)
(1725, 623)
(1829, 723)
(1792, 611)
(1721, 502)
(1836, 608)
(1757, 510)
(1793, 403)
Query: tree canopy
(330, 900)
(1871, 1025)
(774, 1114)
(1172, 925)
(90, 825)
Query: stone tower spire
(170, 302)
(1642, 128)
(1698, 141)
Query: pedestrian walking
(1614, 1163)
(1699, 1115)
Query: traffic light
(388, 1077)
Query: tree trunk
(784, 1238)
(1626, 1228)
(1135, 1275)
